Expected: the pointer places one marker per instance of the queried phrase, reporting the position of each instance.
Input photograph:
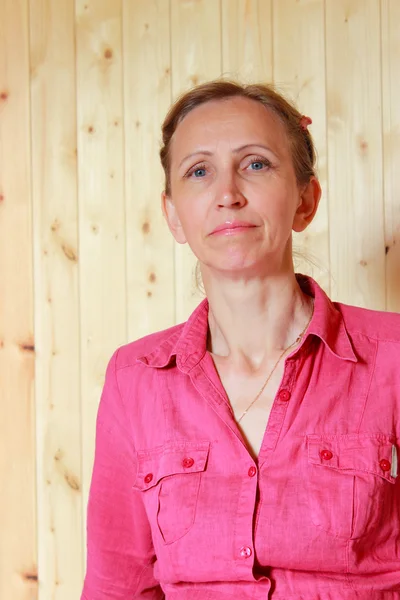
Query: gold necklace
(297, 340)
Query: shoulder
(163, 341)
(375, 324)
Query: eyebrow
(235, 151)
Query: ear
(171, 216)
(310, 195)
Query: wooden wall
(86, 260)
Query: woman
(249, 453)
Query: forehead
(236, 121)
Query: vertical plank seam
(123, 101)
(33, 296)
(78, 283)
(171, 88)
(328, 212)
(383, 154)
(272, 44)
(221, 40)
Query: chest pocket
(170, 478)
(350, 482)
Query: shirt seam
(372, 337)
(369, 387)
(149, 563)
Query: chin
(236, 267)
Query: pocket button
(187, 463)
(148, 478)
(326, 454)
(385, 465)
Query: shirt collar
(188, 344)
(327, 322)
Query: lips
(231, 227)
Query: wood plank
(391, 147)
(147, 93)
(55, 228)
(196, 57)
(356, 213)
(247, 40)
(299, 73)
(18, 562)
(102, 251)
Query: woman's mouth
(233, 228)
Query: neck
(252, 321)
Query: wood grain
(18, 561)
(247, 40)
(391, 147)
(356, 212)
(56, 260)
(147, 93)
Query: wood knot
(30, 576)
(72, 481)
(69, 253)
(4, 96)
(194, 79)
(146, 26)
(152, 277)
(90, 129)
(27, 347)
(146, 227)
(149, 294)
(108, 53)
(363, 263)
(138, 123)
(387, 248)
(1, 197)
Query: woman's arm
(120, 552)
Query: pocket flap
(171, 459)
(368, 453)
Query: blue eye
(257, 165)
(199, 172)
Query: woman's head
(239, 170)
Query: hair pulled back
(300, 140)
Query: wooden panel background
(87, 262)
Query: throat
(241, 388)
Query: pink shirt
(179, 509)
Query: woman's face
(234, 195)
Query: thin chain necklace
(297, 340)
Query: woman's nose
(229, 193)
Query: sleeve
(120, 553)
